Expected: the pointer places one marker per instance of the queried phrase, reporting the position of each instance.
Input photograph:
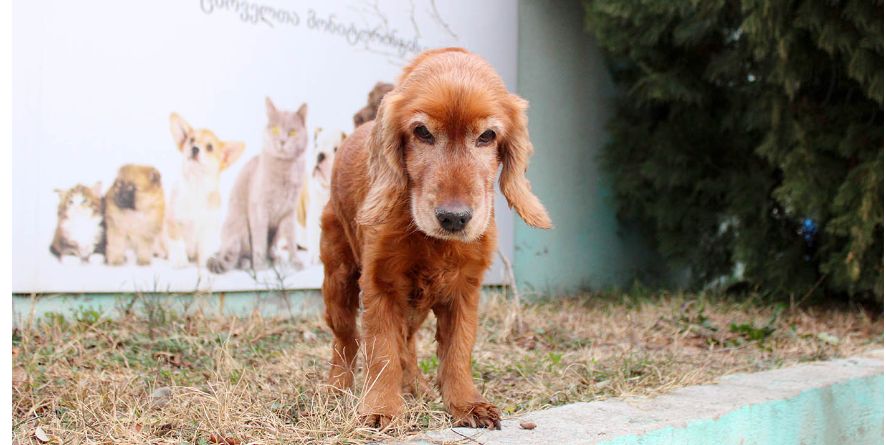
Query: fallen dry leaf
(221, 440)
(527, 425)
(19, 376)
(41, 435)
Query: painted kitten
(80, 230)
(264, 195)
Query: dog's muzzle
(453, 218)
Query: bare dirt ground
(163, 377)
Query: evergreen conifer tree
(748, 140)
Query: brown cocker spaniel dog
(409, 228)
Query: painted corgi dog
(315, 193)
(194, 214)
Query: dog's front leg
(456, 333)
(384, 335)
(115, 247)
(145, 245)
(178, 251)
(206, 242)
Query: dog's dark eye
(486, 137)
(422, 133)
(209, 148)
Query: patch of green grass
(429, 365)
(87, 316)
(751, 332)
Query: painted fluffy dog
(134, 211)
(194, 214)
(315, 193)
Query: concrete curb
(833, 402)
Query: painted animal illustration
(80, 230)
(134, 211)
(193, 217)
(265, 194)
(373, 101)
(315, 192)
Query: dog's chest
(441, 278)
(196, 203)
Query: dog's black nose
(453, 218)
(321, 157)
(195, 150)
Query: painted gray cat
(265, 195)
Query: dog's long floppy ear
(514, 152)
(181, 131)
(387, 181)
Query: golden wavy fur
(410, 223)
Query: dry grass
(259, 380)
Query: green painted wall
(562, 74)
(844, 413)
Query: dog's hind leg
(341, 296)
(413, 381)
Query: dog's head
(326, 143)
(135, 184)
(438, 141)
(373, 100)
(202, 151)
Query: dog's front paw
(115, 261)
(381, 415)
(178, 259)
(216, 265)
(296, 263)
(379, 421)
(476, 415)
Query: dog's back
(350, 178)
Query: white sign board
(96, 83)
